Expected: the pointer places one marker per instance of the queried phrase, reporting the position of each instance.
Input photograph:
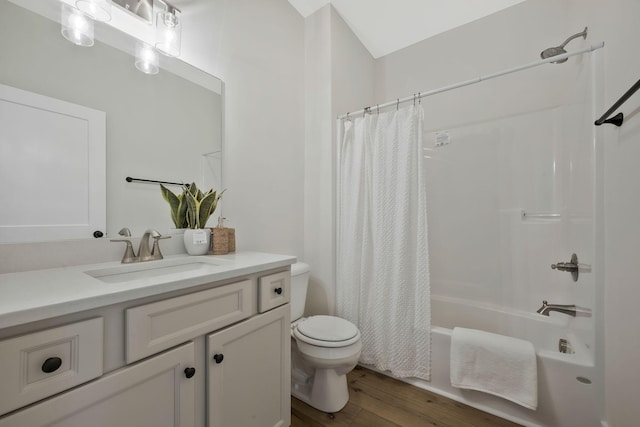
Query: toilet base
(326, 391)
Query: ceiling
(384, 26)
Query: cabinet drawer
(273, 290)
(154, 327)
(44, 363)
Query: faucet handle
(125, 232)
(129, 255)
(155, 250)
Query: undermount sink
(155, 269)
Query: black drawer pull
(278, 291)
(218, 358)
(51, 365)
(189, 372)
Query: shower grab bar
(525, 215)
(421, 95)
(153, 181)
(618, 118)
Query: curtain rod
(474, 81)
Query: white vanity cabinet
(153, 393)
(248, 378)
(210, 354)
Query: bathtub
(567, 395)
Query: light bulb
(146, 58)
(76, 26)
(100, 10)
(168, 33)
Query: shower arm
(575, 36)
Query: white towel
(495, 364)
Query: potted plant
(191, 210)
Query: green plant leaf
(174, 203)
(207, 207)
(196, 206)
(192, 210)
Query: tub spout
(568, 309)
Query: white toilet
(323, 350)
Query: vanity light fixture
(168, 30)
(76, 26)
(100, 10)
(146, 58)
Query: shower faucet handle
(564, 266)
(571, 267)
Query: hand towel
(494, 364)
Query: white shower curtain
(382, 253)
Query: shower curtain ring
(398, 104)
(419, 99)
(414, 99)
(378, 108)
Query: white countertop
(41, 294)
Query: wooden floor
(376, 400)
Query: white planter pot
(196, 242)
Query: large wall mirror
(165, 127)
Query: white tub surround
(36, 295)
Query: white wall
(257, 49)
(616, 22)
(339, 77)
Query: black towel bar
(618, 118)
(153, 181)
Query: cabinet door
(152, 393)
(249, 378)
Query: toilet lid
(328, 328)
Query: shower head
(559, 50)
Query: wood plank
(379, 400)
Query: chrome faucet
(144, 253)
(129, 255)
(568, 309)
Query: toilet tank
(299, 284)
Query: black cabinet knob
(218, 358)
(98, 234)
(278, 291)
(189, 372)
(51, 365)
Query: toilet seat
(327, 331)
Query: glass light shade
(100, 10)
(76, 26)
(146, 58)
(168, 34)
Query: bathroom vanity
(185, 341)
